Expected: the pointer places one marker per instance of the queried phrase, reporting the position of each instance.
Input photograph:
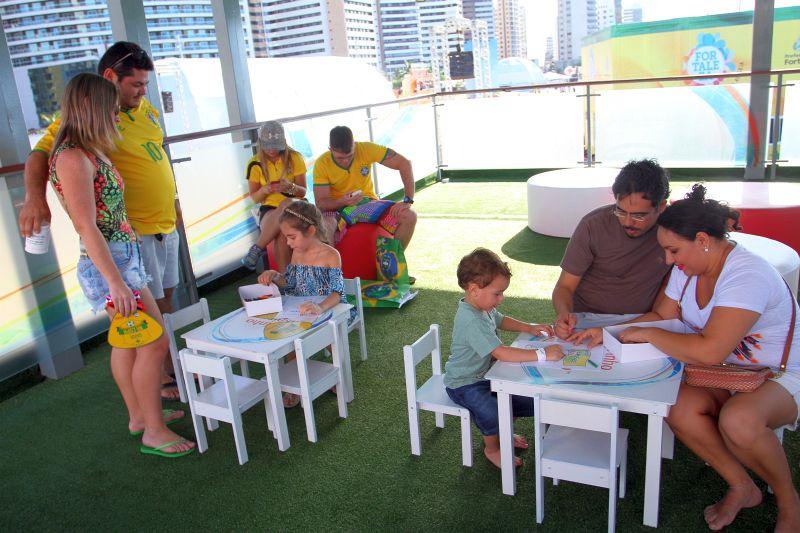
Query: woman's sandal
(159, 450)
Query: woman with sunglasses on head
(110, 271)
(276, 176)
(741, 312)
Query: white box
(630, 353)
(264, 306)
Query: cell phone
(354, 193)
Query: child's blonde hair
(88, 110)
(302, 215)
(480, 267)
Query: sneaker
(253, 255)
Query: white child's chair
(352, 287)
(310, 379)
(224, 400)
(431, 396)
(178, 320)
(584, 444)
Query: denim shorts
(482, 404)
(128, 259)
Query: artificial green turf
(67, 462)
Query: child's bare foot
(520, 442)
(737, 498)
(789, 518)
(494, 457)
(290, 400)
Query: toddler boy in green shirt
(484, 277)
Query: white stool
(782, 257)
(559, 199)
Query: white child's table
(648, 388)
(243, 337)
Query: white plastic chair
(178, 320)
(584, 444)
(310, 379)
(352, 287)
(225, 400)
(431, 396)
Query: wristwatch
(407, 200)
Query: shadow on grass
(530, 247)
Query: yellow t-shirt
(255, 174)
(144, 167)
(328, 173)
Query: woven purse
(735, 378)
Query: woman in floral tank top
(110, 267)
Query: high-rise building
(321, 27)
(609, 13)
(633, 14)
(510, 28)
(548, 51)
(400, 37)
(435, 13)
(49, 42)
(576, 20)
(481, 10)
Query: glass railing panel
(311, 136)
(408, 129)
(520, 129)
(789, 148)
(702, 125)
(39, 295)
(214, 200)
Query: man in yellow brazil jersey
(144, 167)
(343, 183)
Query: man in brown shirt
(613, 267)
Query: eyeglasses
(636, 217)
(137, 54)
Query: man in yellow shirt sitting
(145, 169)
(343, 187)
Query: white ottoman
(559, 199)
(782, 257)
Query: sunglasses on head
(136, 54)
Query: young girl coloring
(484, 277)
(315, 268)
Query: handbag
(135, 330)
(732, 377)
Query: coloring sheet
(576, 357)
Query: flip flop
(165, 413)
(159, 450)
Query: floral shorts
(129, 262)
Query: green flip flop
(165, 413)
(159, 450)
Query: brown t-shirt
(619, 274)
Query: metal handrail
(254, 125)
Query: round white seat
(559, 199)
(782, 257)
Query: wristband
(541, 355)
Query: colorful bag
(392, 288)
(135, 330)
(735, 378)
(367, 210)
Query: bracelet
(541, 355)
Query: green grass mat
(68, 463)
